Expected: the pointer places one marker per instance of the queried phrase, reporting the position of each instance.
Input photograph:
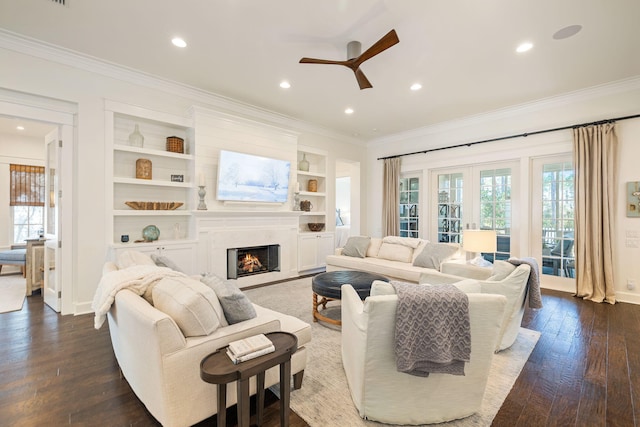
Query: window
(27, 194)
(450, 186)
(409, 207)
(558, 203)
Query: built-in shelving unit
(313, 246)
(172, 178)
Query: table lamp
(477, 241)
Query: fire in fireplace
(253, 260)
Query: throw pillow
(163, 261)
(356, 246)
(435, 254)
(394, 252)
(234, 302)
(374, 247)
(405, 241)
(189, 303)
(501, 269)
(129, 258)
(378, 287)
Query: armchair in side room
(559, 260)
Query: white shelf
(312, 174)
(133, 212)
(157, 183)
(151, 152)
(311, 213)
(312, 193)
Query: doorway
(348, 201)
(41, 117)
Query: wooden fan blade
(390, 39)
(321, 61)
(363, 82)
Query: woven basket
(312, 185)
(175, 144)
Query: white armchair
(383, 394)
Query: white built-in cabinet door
(313, 249)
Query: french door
(476, 197)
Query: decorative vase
(303, 165)
(136, 139)
(144, 169)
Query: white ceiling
(461, 51)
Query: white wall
(86, 84)
(610, 101)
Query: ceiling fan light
(523, 47)
(177, 41)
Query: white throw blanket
(135, 278)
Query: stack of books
(249, 348)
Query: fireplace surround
(248, 261)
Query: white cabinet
(172, 173)
(183, 254)
(313, 249)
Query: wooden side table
(218, 369)
(34, 261)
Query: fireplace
(253, 260)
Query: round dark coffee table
(326, 287)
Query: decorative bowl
(154, 206)
(315, 226)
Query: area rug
(324, 399)
(12, 292)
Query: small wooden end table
(218, 369)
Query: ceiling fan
(355, 59)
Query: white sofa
(394, 257)
(162, 366)
(383, 394)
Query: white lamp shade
(479, 240)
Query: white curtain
(391, 197)
(595, 150)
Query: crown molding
(39, 49)
(624, 85)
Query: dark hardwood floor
(585, 370)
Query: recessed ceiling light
(348, 111)
(177, 41)
(566, 32)
(20, 127)
(524, 47)
(416, 86)
(285, 84)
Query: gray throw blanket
(432, 333)
(533, 283)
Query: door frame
(63, 114)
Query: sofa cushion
(434, 254)
(378, 287)
(235, 303)
(374, 247)
(501, 269)
(356, 246)
(395, 252)
(189, 303)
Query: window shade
(27, 185)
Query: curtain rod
(520, 135)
